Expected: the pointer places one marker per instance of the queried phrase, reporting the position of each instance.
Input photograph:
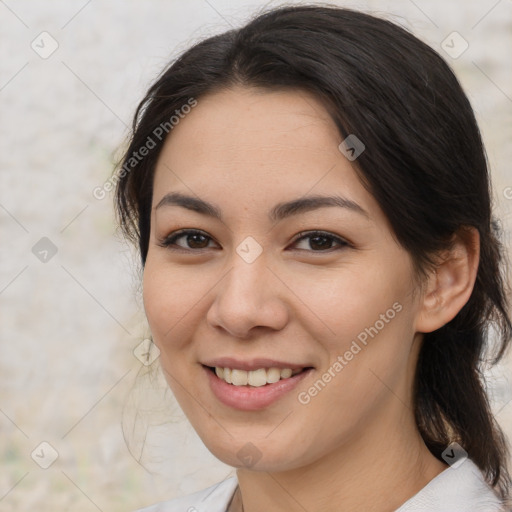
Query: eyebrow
(276, 214)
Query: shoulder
(212, 499)
(456, 489)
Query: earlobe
(450, 284)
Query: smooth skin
(355, 445)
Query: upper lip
(253, 364)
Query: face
(253, 273)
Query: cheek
(171, 300)
(346, 301)
(361, 380)
(370, 352)
(367, 320)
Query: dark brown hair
(424, 163)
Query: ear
(449, 286)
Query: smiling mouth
(255, 378)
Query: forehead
(241, 144)
(239, 121)
(258, 109)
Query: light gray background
(69, 325)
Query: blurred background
(74, 377)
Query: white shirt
(461, 489)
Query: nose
(249, 298)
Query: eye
(194, 240)
(321, 241)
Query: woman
(310, 198)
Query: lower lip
(247, 398)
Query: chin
(256, 455)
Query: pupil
(321, 245)
(193, 244)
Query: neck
(375, 473)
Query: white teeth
(239, 377)
(255, 378)
(273, 375)
(286, 373)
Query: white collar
(461, 489)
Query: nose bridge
(248, 277)
(248, 295)
(248, 263)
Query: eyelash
(170, 240)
